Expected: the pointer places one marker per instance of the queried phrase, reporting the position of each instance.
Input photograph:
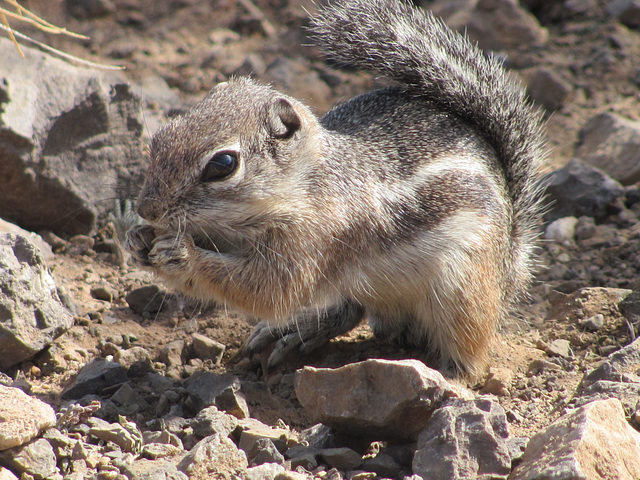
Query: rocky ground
(124, 379)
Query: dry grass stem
(21, 14)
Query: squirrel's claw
(305, 333)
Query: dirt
(179, 41)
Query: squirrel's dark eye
(220, 166)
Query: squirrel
(414, 206)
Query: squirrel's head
(232, 160)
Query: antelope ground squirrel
(413, 206)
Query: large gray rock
(465, 440)
(32, 312)
(375, 398)
(69, 140)
(590, 443)
(612, 143)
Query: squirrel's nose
(148, 209)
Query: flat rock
(132, 355)
(593, 324)
(626, 392)
(296, 78)
(207, 348)
(495, 24)
(95, 377)
(70, 141)
(562, 230)
(383, 464)
(342, 458)
(559, 348)
(264, 451)
(35, 459)
(630, 308)
(548, 89)
(23, 417)
(585, 303)
(210, 420)
(125, 434)
(154, 451)
(266, 471)
(162, 437)
(214, 457)
(143, 469)
(612, 143)
(253, 430)
(375, 398)
(626, 11)
(466, 439)
(498, 382)
(592, 442)
(32, 308)
(223, 391)
(625, 360)
(8, 474)
(37, 240)
(579, 189)
(172, 353)
(146, 299)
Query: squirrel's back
(452, 75)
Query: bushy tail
(415, 49)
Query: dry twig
(23, 15)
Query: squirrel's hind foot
(305, 333)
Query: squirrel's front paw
(139, 242)
(171, 253)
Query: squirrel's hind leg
(455, 328)
(306, 332)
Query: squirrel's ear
(283, 118)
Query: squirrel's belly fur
(414, 206)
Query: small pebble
(559, 348)
(593, 324)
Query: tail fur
(412, 47)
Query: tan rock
(253, 430)
(498, 381)
(214, 458)
(7, 474)
(23, 417)
(374, 398)
(594, 442)
(45, 248)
